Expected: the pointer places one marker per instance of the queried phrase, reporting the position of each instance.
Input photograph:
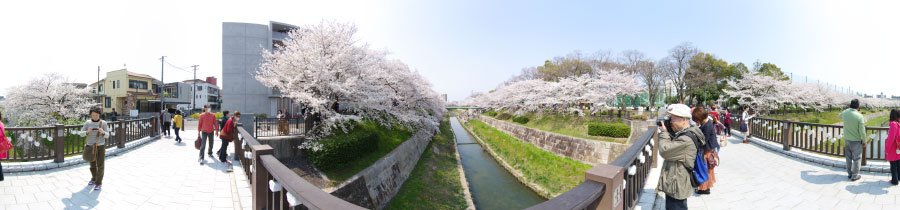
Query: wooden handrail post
(787, 136)
(864, 151)
(60, 143)
(238, 144)
(655, 147)
(613, 177)
(260, 177)
(122, 133)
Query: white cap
(679, 110)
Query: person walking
(727, 122)
(223, 154)
(3, 140)
(95, 132)
(707, 127)
(678, 152)
(178, 124)
(207, 128)
(892, 146)
(745, 123)
(167, 122)
(229, 132)
(854, 138)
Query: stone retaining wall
(585, 150)
(376, 185)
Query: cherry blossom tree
(47, 100)
(764, 92)
(324, 67)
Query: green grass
(878, 121)
(551, 172)
(568, 125)
(435, 182)
(810, 117)
(388, 139)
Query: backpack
(699, 173)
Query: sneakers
(91, 183)
(703, 192)
(201, 161)
(855, 178)
(97, 187)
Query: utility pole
(194, 90)
(162, 67)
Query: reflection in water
(491, 185)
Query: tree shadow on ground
(820, 179)
(869, 187)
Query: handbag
(90, 153)
(197, 143)
(5, 144)
(713, 160)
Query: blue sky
(463, 46)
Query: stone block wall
(588, 151)
(376, 185)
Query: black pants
(727, 129)
(166, 126)
(675, 204)
(223, 151)
(177, 137)
(895, 171)
(1, 171)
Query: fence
(819, 138)
(56, 142)
(612, 186)
(264, 127)
(273, 185)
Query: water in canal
(491, 185)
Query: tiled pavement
(752, 177)
(158, 175)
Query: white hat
(679, 110)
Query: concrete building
(126, 91)
(207, 93)
(242, 45)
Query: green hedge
(491, 113)
(504, 116)
(520, 119)
(340, 149)
(609, 129)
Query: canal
(492, 187)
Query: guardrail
(612, 186)
(274, 186)
(56, 142)
(265, 127)
(818, 138)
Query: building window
(108, 102)
(99, 88)
(137, 84)
(199, 88)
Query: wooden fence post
(121, 134)
(60, 143)
(655, 142)
(613, 177)
(787, 136)
(864, 151)
(260, 183)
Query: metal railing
(612, 186)
(265, 127)
(274, 185)
(56, 142)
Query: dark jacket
(709, 133)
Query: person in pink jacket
(892, 146)
(2, 140)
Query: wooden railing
(274, 186)
(813, 137)
(281, 127)
(56, 142)
(612, 186)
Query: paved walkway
(752, 177)
(158, 175)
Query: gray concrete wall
(242, 45)
(376, 185)
(585, 150)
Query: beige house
(126, 91)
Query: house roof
(139, 75)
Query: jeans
(177, 137)
(97, 167)
(166, 126)
(895, 171)
(675, 204)
(204, 139)
(223, 151)
(852, 152)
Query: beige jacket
(678, 155)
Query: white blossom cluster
(536, 94)
(765, 93)
(46, 101)
(325, 68)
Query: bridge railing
(265, 127)
(56, 142)
(274, 185)
(813, 137)
(612, 186)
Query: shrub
(520, 119)
(615, 130)
(638, 117)
(504, 116)
(340, 149)
(491, 113)
(197, 115)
